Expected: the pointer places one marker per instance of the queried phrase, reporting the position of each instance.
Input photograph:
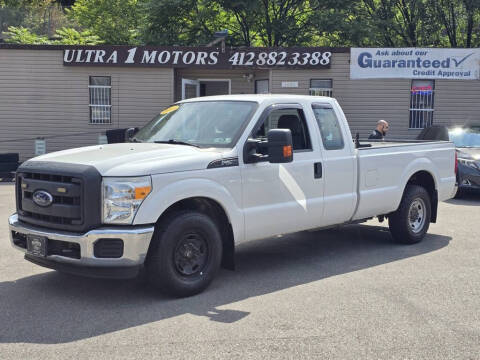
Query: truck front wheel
(185, 254)
(410, 222)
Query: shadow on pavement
(53, 308)
(470, 198)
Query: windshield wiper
(176, 142)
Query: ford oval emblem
(42, 198)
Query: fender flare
(421, 164)
(158, 202)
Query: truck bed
(385, 167)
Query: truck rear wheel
(185, 254)
(410, 222)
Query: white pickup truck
(209, 173)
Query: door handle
(317, 170)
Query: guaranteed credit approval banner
(415, 63)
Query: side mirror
(280, 147)
(129, 133)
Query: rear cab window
(329, 126)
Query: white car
(211, 172)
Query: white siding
(456, 102)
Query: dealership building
(59, 97)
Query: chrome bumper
(136, 240)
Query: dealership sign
(415, 63)
(204, 57)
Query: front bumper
(136, 240)
(468, 178)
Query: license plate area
(37, 245)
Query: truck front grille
(66, 191)
(74, 190)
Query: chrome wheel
(416, 215)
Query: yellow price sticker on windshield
(170, 109)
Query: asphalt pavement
(348, 293)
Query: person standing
(380, 131)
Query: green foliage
(113, 21)
(43, 17)
(182, 22)
(454, 23)
(70, 36)
(65, 36)
(21, 35)
(241, 20)
(9, 15)
(250, 22)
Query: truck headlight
(122, 197)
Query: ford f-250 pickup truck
(209, 173)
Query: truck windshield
(201, 123)
(465, 137)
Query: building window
(421, 103)
(100, 89)
(261, 86)
(321, 87)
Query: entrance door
(190, 88)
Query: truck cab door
(339, 164)
(288, 197)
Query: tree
(391, 23)
(335, 23)
(250, 22)
(10, 15)
(113, 21)
(283, 22)
(245, 15)
(458, 19)
(401, 22)
(182, 22)
(41, 16)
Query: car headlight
(469, 162)
(122, 197)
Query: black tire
(185, 254)
(404, 223)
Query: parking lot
(347, 293)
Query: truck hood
(136, 159)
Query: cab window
(329, 127)
(287, 118)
